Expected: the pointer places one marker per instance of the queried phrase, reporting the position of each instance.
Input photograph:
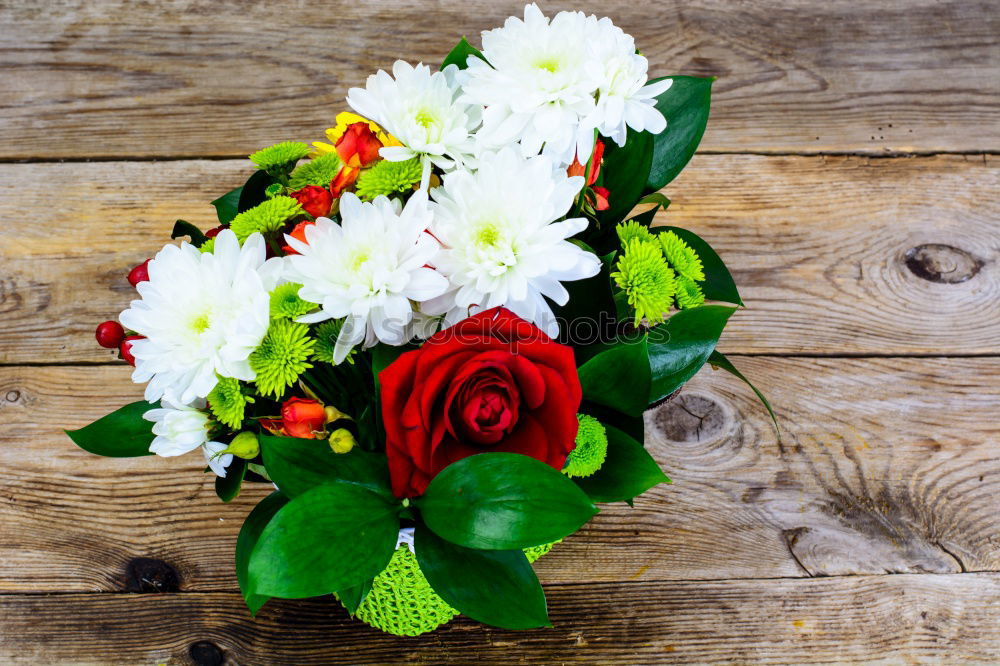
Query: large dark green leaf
(299, 465)
(502, 501)
(590, 311)
(619, 376)
(685, 105)
(496, 587)
(228, 205)
(254, 191)
(679, 348)
(719, 284)
(627, 472)
(250, 533)
(459, 56)
(183, 228)
(719, 361)
(228, 487)
(352, 596)
(333, 537)
(121, 434)
(624, 173)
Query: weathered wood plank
(833, 254)
(183, 78)
(875, 619)
(886, 465)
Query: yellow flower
(344, 120)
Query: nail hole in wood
(206, 653)
(944, 264)
(146, 574)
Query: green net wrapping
(402, 602)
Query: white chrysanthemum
(501, 244)
(180, 429)
(421, 110)
(368, 269)
(537, 85)
(201, 315)
(623, 98)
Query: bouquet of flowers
(436, 333)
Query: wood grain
(889, 465)
(196, 78)
(875, 619)
(833, 255)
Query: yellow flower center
(200, 323)
(548, 64)
(425, 118)
(487, 235)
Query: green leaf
(590, 308)
(495, 587)
(619, 377)
(720, 361)
(679, 348)
(254, 191)
(459, 56)
(657, 198)
(501, 501)
(227, 206)
(719, 284)
(299, 465)
(625, 171)
(685, 105)
(352, 596)
(383, 355)
(228, 487)
(627, 472)
(333, 537)
(250, 533)
(182, 228)
(121, 434)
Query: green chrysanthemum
(280, 155)
(273, 190)
(266, 217)
(286, 303)
(648, 281)
(632, 229)
(689, 294)
(319, 171)
(207, 246)
(326, 337)
(281, 356)
(591, 448)
(387, 178)
(228, 402)
(681, 256)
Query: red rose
(492, 382)
(346, 177)
(299, 234)
(315, 200)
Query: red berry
(213, 232)
(109, 334)
(125, 349)
(139, 274)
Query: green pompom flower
(286, 303)
(591, 448)
(326, 337)
(281, 356)
(228, 402)
(681, 256)
(386, 178)
(280, 156)
(208, 246)
(632, 229)
(689, 294)
(647, 280)
(273, 190)
(265, 217)
(319, 171)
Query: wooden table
(849, 176)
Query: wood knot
(206, 653)
(691, 418)
(11, 397)
(945, 264)
(146, 574)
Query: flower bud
(139, 274)
(303, 418)
(358, 146)
(214, 231)
(244, 445)
(334, 414)
(109, 334)
(299, 234)
(315, 200)
(125, 349)
(342, 441)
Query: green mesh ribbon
(402, 602)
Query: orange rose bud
(344, 179)
(303, 418)
(577, 169)
(358, 146)
(601, 195)
(315, 200)
(299, 234)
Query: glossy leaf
(459, 56)
(182, 228)
(227, 206)
(121, 434)
(619, 376)
(299, 465)
(333, 537)
(250, 533)
(254, 191)
(719, 284)
(685, 105)
(502, 501)
(657, 198)
(627, 472)
(228, 487)
(589, 314)
(353, 596)
(495, 587)
(625, 171)
(718, 360)
(679, 348)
